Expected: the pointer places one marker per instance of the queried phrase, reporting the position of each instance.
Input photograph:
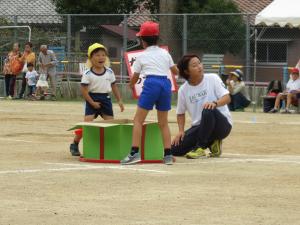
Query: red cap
(295, 70)
(149, 28)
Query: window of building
(272, 52)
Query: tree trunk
(168, 26)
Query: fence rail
(228, 34)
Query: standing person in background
(31, 78)
(47, 62)
(12, 67)
(239, 96)
(27, 57)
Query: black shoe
(74, 149)
(273, 110)
(18, 98)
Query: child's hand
(131, 85)
(96, 105)
(121, 106)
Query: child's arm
(87, 97)
(117, 95)
(174, 70)
(134, 79)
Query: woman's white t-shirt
(192, 98)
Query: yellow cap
(95, 46)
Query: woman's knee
(207, 113)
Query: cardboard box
(110, 141)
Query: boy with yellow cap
(96, 84)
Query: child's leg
(107, 117)
(133, 157)
(162, 117)
(78, 132)
(74, 149)
(138, 121)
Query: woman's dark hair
(29, 44)
(183, 65)
(150, 40)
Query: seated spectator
(238, 93)
(274, 88)
(289, 94)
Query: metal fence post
(254, 71)
(184, 39)
(69, 35)
(15, 30)
(247, 48)
(123, 65)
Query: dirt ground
(256, 181)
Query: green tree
(213, 33)
(100, 7)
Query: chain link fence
(224, 41)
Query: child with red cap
(290, 94)
(155, 63)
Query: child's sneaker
(74, 149)
(286, 111)
(196, 153)
(274, 110)
(216, 148)
(131, 159)
(168, 159)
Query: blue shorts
(157, 91)
(106, 105)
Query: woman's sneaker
(216, 148)
(74, 149)
(196, 154)
(131, 159)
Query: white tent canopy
(280, 12)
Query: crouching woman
(205, 98)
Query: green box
(110, 141)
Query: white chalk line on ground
(81, 168)
(287, 159)
(18, 140)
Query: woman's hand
(178, 138)
(96, 105)
(228, 81)
(209, 105)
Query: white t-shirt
(98, 83)
(192, 98)
(153, 61)
(31, 77)
(293, 85)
